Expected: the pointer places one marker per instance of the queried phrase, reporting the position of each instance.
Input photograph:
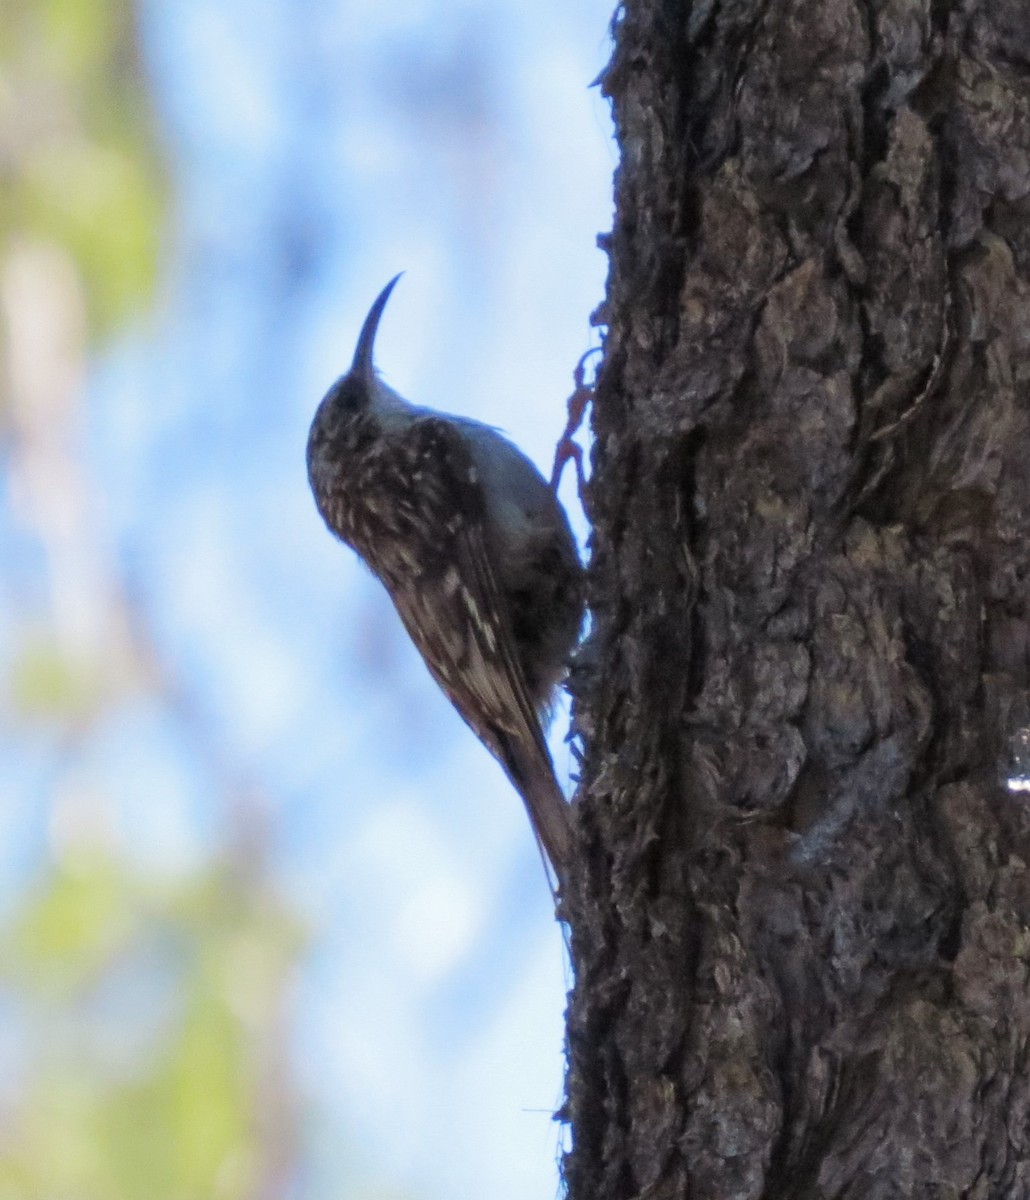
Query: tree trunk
(800, 916)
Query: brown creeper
(476, 553)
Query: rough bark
(801, 913)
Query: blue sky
(316, 148)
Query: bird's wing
(455, 613)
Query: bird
(477, 555)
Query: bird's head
(359, 393)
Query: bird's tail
(528, 765)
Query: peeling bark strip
(801, 917)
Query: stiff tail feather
(530, 769)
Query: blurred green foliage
(143, 1048)
(78, 155)
(46, 682)
(182, 1097)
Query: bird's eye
(347, 394)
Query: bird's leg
(567, 448)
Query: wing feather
(456, 614)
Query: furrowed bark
(800, 915)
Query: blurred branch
(152, 1016)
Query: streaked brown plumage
(476, 553)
